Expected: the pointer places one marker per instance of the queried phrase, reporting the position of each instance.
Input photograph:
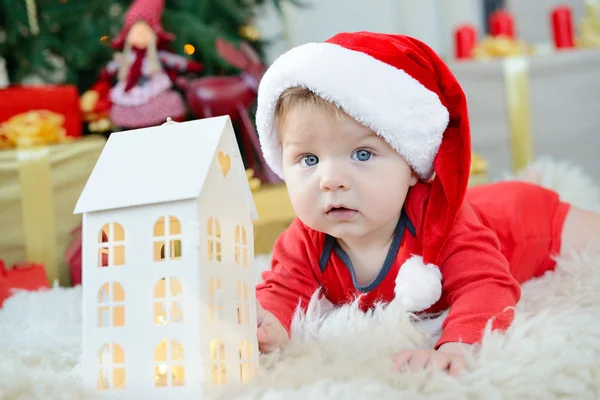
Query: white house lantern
(168, 280)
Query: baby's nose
(334, 179)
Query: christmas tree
(68, 41)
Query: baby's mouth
(340, 213)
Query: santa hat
(149, 11)
(402, 90)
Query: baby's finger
(403, 358)
(262, 334)
(457, 366)
(439, 360)
(264, 337)
(260, 314)
(419, 360)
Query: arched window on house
(168, 305)
(111, 245)
(111, 305)
(111, 363)
(167, 238)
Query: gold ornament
(250, 32)
(500, 46)
(189, 49)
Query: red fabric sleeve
(194, 66)
(294, 275)
(476, 281)
(172, 61)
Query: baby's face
(342, 178)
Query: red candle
(562, 27)
(501, 23)
(465, 39)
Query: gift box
(275, 214)
(38, 191)
(523, 107)
(22, 276)
(61, 99)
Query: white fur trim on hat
(418, 285)
(396, 106)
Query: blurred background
(74, 71)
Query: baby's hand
(449, 357)
(271, 334)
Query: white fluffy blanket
(551, 351)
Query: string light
(189, 49)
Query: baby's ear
(414, 178)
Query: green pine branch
(72, 31)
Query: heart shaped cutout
(224, 163)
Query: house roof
(158, 164)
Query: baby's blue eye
(362, 155)
(310, 160)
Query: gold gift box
(479, 170)
(39, 187)
(275, 214)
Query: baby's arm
(478, 285)
(290, 283)
(476, 281)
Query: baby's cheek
(299, 198)
(383, 201)
(303, 203)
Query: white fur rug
(552, 350)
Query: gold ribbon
(518, 102)
(589, 26)
(37, 208)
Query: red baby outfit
(504, 234)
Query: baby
(371, 134)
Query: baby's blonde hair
(300, 96)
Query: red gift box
(73, 257)
(61, 99)
(22, 276)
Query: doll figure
(143, 94)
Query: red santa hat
(149, 11)
(402, 90)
